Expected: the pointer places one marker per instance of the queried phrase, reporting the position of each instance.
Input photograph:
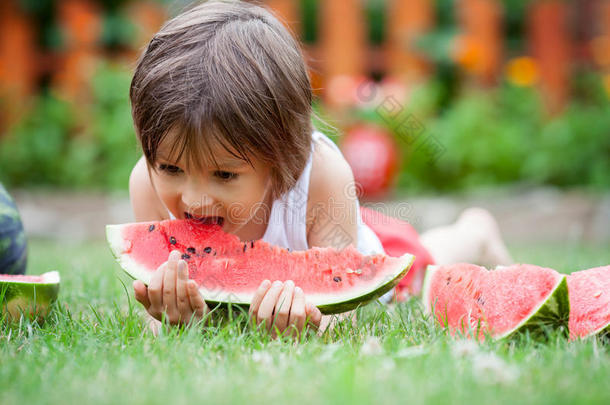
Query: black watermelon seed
(172, 240)
(448, 280)
(336, 279)
(207, 249)
(151, 228)
(245, 246)
(251, 243)
(191, 250)
(185, 257)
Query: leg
(473, 238)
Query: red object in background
(373, 157)
(397, 238)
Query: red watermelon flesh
(589, 302)
(468, 298)
(229, 270)
(21, 278)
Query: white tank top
(287, 225)
(287, 222)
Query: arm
(331, 222)
(145, 203)
(332, 218)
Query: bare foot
(484, 229)
(473, 238)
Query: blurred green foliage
(491, 137)
(63, 145)
(488, 137)
(309, 13)
(503, 135)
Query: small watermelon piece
(502, 302)
(589, 302)
(228, 270)
(31, 296)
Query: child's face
(234, 194)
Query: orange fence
(342, 50)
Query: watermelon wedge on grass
(31, 296)
(228, 270)
(474, 301)
(590, 302)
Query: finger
(297, 312)
(155, 292)
(182, 297)
(313, 314)
(169, 289)
(259, 295)
(282, 307)
(141, 292)
(198, 305)
(265, 311)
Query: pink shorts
(397, 238)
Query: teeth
(211, 220)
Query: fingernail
(266, 283)
(175, 255)
(277, 283)
(298, 289)
(290, 283)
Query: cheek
(248, 199)
(167, 190)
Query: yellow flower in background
(522, 71)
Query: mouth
(207, 220)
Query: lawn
(95, 349)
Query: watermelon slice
(589, 302)
(31, 296)
(473, 300)
(228, 270)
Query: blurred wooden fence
(557, 33)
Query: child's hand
(171, 292)
(282, 306)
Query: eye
(224, 175)
(169, 169)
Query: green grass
(95, 349)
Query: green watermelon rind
(552, 313)
(29, 298)
(327, 305)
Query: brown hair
(229, 74)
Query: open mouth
(209, 220)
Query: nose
(196, 200)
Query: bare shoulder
(329, 172)
(145, 203)
(332, 198)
